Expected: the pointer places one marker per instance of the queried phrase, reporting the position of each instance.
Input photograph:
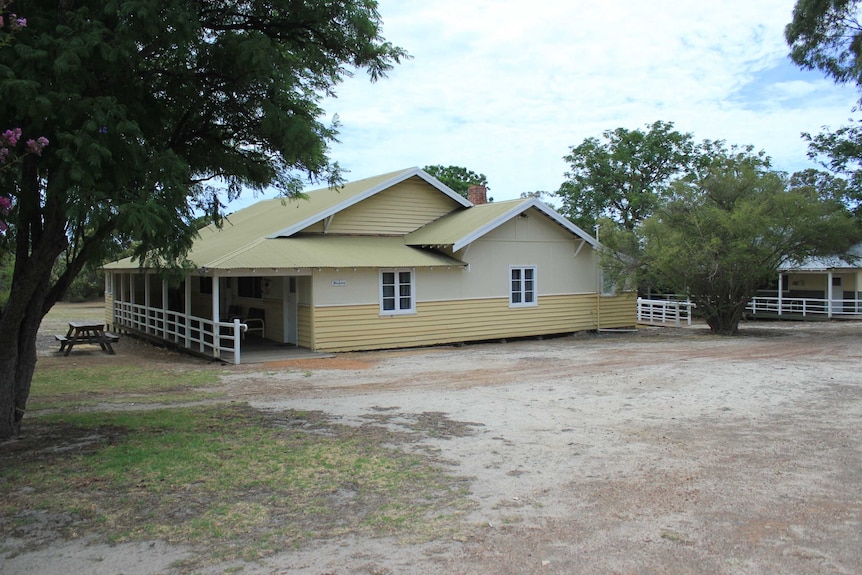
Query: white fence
(676, 313)
(664, 312)
(805, 307)
(221, 339)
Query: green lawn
(118, 450)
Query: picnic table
(91, 332)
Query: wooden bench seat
(109, 338)
(62, 339)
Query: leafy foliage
(457, 178)
(725, 231)
(623, 176)
(826, 35)
(152, 109)
(840, 152)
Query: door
(836, 306)
(290, 311)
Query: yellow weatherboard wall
(361, 327)
(395, 211)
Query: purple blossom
(3, 153)
(17, 23)
(10, 137)
(36, 146)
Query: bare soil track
(666, 451)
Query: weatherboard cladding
(395, 211)
(359, 327)
(360, 191)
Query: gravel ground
(664, 451)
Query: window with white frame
(607, 283)
(523, 286)
(397, 292)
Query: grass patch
(62, 387)
(240, 482)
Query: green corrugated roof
(453, 227)
(267, 235)
(244, 233)
(320, 252)
(459, 229)
(332, 252)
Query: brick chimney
(477, 195)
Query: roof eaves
(216, 263)
(443, 187)
(517, 210)
(557, 217)
(347, 202)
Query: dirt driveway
(665, 451)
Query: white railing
(804, 306)
(664, 312)
(221, 339)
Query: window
(396, 292)
(206, 285)
(608, 286)
(250, 287)
(523, 287)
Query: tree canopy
(840, 152)
(153, 109)
(457, 178)
(723, 233)
(624, 175)
(826, 35)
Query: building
(397, 260)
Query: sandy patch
(665, 451)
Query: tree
(725, 232)
(457, 178)
(152, 108)
(826, 35)
(840, 152)
(624, 175)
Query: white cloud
(506, 88)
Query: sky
(506, 88)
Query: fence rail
(221, 339)
(664, 312)
(804, 307)
(673, 312)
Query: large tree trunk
(723, 324)
(40, 237)
(723, 318)
(18, 329)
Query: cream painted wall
(850, 281)
(532, 241)
(345, 287)
(349, 287)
